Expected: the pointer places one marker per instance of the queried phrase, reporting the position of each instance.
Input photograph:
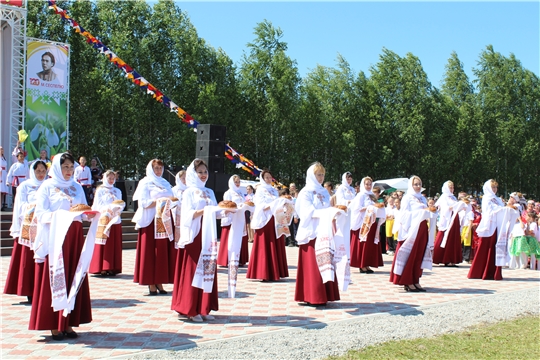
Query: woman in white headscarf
(345, 193)
(155, 257)
(20, 278)
(107, 258)
(60, 248)
(195, 259)
(494, 230)
(268, 261)
(366, 219)
(178, 191)
(414, 254)
(233, 194)
(310, 286)
(447, 248)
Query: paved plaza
(129, 322)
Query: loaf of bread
(289, 197)
(119, 202)
(227, 204)
(341, 207)
(250, 203)
(80, 207)
(174, 199)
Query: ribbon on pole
(244, 163)
(130, 73)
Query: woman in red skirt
(155, 257)
(316, 279)
(414, 254)
(107, 258)
(447, 248)
(490, 255)
(20, 279)
(59, 246)
(195, 291)
(268, 261)
(367, 215)
(233, 194)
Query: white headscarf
(150, 177)
(55, 172)
(33, 181)
(363, 188)
(488, 196)
(268, 187)
(344, 181)
(311, 180)
(233, 186)
(192, 178)
(105, 182)
(412, 192)
(179, 184)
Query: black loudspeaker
(210, 148)
(131, 185)
(131, 205)
(215, 164)
(121, 185)
(209, 132)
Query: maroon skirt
(223, 253)
(483, 266)
(108, 257)
(186, 299)
(392, 275)
(309, 285)
(413, 268)
(155, 259)
(20, 277)
(365, 253)
(267, 260)
(42, 316)
(451, 253)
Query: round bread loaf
(227, 204)
(250, 203)
(341, 207)
(80, 207)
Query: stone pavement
(129, 322)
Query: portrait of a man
(47, 63)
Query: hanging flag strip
(245, 164)
(130, 73)
(236, 158)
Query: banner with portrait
(47, 96)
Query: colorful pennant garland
(130, 73)
(236, 158)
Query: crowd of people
(335, 229)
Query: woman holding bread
(367, 215)
(20, 278)
(156, 256)
(61, 251)
(267, 261)
(107, 258)
(195, 281)
(317, 276)
(414, 254)
(233, 194)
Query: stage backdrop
(47, 90)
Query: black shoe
(29, 299)
(411, 289)
(369, 271)
(152, 293)
(363, 271)
(58, 337)
(163, 291)
(71, 335)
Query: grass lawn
(516, 339)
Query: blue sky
(358, 30)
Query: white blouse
(307, 203)
(104, 197)
(150, 192)
(26, 194)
